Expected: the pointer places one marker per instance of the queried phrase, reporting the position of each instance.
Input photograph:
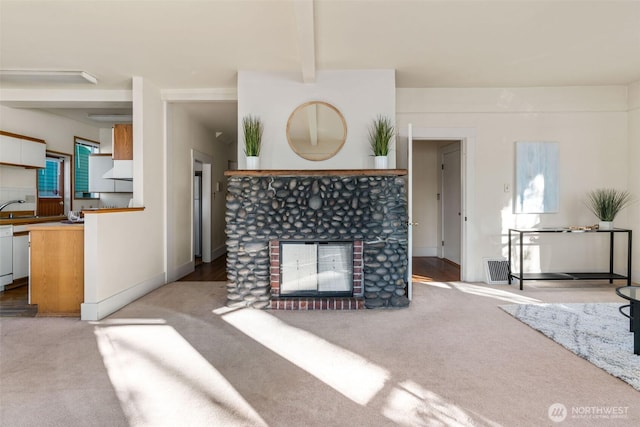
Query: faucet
(10, 202)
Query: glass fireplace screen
(316, 268)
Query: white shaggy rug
(596, 332)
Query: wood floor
(13, 302)
(214, 271)
(425, 269)
(433, 269)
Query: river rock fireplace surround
(357, 219)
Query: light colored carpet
(176, 357)
(596, 332)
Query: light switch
(507, 188)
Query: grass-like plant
(252, 135)
(380, 135)
(605, 203)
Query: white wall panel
(360, 95)
(590, 128)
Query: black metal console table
(610, 275)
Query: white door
(409, 212)
(451, 204)
(197, 216)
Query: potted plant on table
(252, 140)
(605, 203)
(380, 135)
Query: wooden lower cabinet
(56, 277)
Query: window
(83, 149)
(50, 179)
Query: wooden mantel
(318, 172)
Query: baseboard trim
(181, 271)
(425, 251)
(219, 251)
(100, 310)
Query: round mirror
(316, 130)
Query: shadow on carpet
(595, 332)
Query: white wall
(590, 125)
(185, 134)
(359, 95)
(634, 169)
(57, 131)
(125, 251)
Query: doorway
(417, 137)
(437, 212)
(201, 166)
(54, 185)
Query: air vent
(497, 271)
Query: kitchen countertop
(55, 226)
(31, 220)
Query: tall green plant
(605, 203)
(380, 135)
(252, 135)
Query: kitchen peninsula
(56, 280)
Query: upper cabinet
(123, 142)
(20, 150)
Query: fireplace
(316, 269)
(316, 239)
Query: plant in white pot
(380, 136)
(252, 140)
(605, 203)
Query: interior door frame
(205, 204)
(442, 152)
(197, 240)
(67, 199)
(467, 137)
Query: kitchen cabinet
(6, 255)
(20, 150)
(34, 154)
(56, 279)
(99, 164)
(20, 255)
(123, 142)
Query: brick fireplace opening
(316, 275)
(310, 215)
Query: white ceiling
(202, 44)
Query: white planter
(382, 162)
(605, 225)
(253, 162)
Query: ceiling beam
(66, 98)
(306, 38)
